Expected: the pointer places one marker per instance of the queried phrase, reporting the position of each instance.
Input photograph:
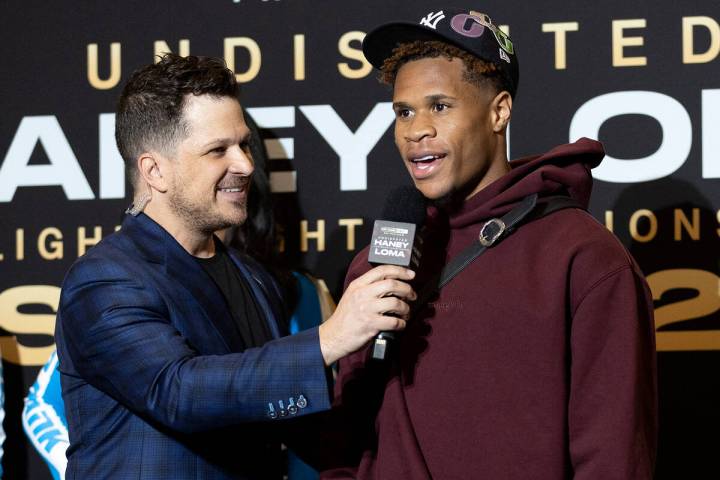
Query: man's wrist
(328, 345)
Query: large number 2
(707, 302)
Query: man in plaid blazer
(172, 359)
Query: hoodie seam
(597, 283)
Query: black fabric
(250, 323)
(474, 32)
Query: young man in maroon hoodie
(537, 359)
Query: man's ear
(501, 110)
(150, 167)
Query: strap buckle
(491, 231)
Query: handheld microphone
(394, 242)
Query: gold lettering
(634, 224)
(619, 42)
(161, 47)
(681, 220)
(231, 43)
(354, 54)
(688, 29)
(560, 29)
(610, 220)
(280, 237)
(56, 246)
(92, 67)
(705, 303)
(299, 56)
(318, 235)
(19, 244)
(83, 241)
(350, 224)
(15, 322)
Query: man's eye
(218, 150)
(246, 146)
(439, 107)
(403, 113)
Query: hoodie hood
(564, 169)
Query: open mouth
(423, 165)
(425, 161)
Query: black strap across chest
(492, 233)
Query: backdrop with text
(643, 77)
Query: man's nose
(420, 126)
(241, 162)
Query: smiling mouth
(236, 191)
(235, 185)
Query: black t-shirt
(249, 320)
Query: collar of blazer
(156, 245)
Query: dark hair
(477, 71)
(150, 109)
(258, 235)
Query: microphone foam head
(405, 204)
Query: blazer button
(283, 412)
(302, 401)
(292, 408)
(271, 411)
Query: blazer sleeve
(117, 334)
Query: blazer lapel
(207, 294)
(188, 275)
(261, 293)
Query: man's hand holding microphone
(376, 304)
(376, 301)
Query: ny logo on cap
(431, 19)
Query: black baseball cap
(469, 30)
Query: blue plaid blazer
(155, 386)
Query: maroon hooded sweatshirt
(536, 361)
